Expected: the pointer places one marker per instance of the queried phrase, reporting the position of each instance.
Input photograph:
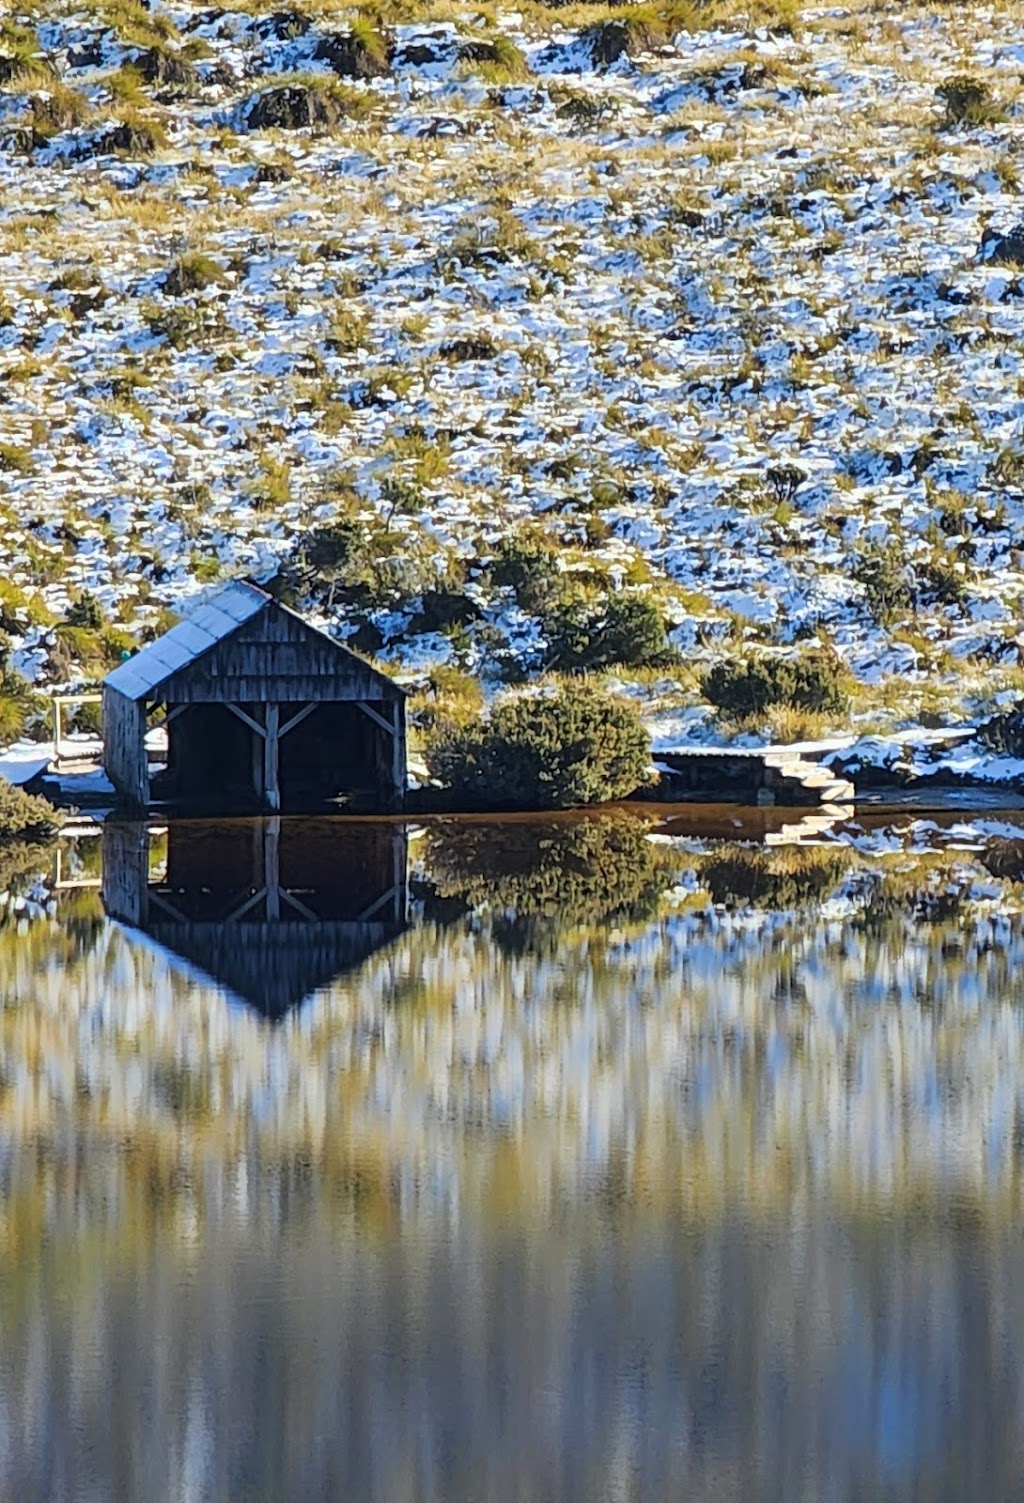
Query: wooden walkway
(790, 776)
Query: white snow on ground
(695, 268)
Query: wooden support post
(56, 732)
(271, 787)
(399, 768)
(272, 867)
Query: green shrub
(621, 629)
(887, 580)
(543, 751)
(15, 459)
(192, 272)
(24, 816)
(968, 101)
(812, 681)
(526, 561)
(85, 611)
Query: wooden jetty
(789, 776)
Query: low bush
(620, 629)
(888, 581)
(526, 561)
(23, 816)
(543, 751)
(967, 100)
(812, 681)
(1004, 733)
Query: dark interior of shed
(336, 754)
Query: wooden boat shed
(262, 711)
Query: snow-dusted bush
(622, 629)
(888, 581)
(543, 751)
(811, 681)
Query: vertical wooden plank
(124, 747)
(271, 788)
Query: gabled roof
(202, 629)
(215, 619)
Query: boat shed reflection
(271, 909)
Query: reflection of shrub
(534, 751)
(22, 863)
(812, 681)
(582, 872)
(899, 898)
(774, 878)
(1004, 859)
(23, 816)
(621, 629)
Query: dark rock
(482, 347)
(416, 55)
(366, 638)
(89, 56)
(754, 76)
(293, 107)
(282, 26)
(133, 140)
(957, 295)
(442, 609)
(478, 51)
(351, 56)
(273, 172)
(1003, 250)
(608, 42)
(160, 66)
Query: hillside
(503, 331)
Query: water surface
(513, 1161)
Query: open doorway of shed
(336, 752)
(213, 757)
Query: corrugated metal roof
(212, 621)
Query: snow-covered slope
(716, 312)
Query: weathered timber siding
(124, 747)
(277, 659)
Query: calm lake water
(513, 1162)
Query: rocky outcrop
(1003, 250)
(293, 107)
(354, 55)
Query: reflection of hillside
(734, 1365)
(706, 1064)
